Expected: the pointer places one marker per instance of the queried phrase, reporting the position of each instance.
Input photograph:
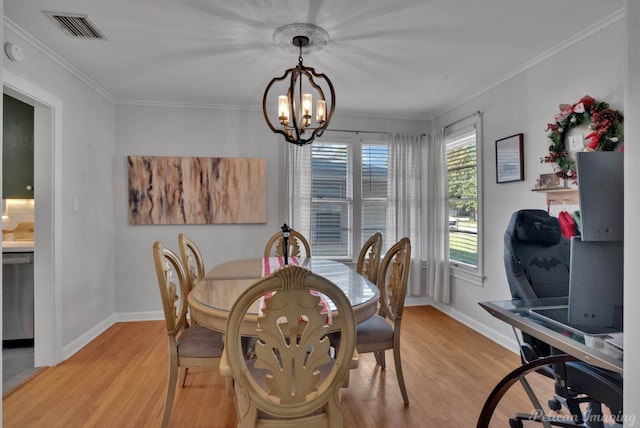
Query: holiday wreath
(606, 132)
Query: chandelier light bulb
(283, 109)
(321, 111)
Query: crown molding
(589, 31)
(29, 39)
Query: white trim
(28, 38)
(598, 26)
(424, 116)
(508, 342)
(345, 112)
(48, 191)
(457, 131)
(82, 341)
(173, 104)
(88, 336)
(469, 275)
(139, 316)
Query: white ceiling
(402, 58)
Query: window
(331, 204)
(464, 204)
(349, 195)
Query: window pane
(329, 170)
(330, 228)
(463, 199)
(331, 192)
(335, 207)
(375, 164)
(374, 218)
(462, 170)
(463, 232)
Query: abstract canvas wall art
(196, 190)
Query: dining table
(213, 295)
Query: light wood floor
(119, 380)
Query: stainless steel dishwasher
(17, 298)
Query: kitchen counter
(17, 246)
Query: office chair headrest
(537, 229)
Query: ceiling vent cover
(76, 25)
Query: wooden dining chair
(189, 346)
(298, 245)
(293, 380)
(191, 259)
(368, 263)
(382, 331)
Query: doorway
(47, 216)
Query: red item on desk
(567, 224)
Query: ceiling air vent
(76, 25)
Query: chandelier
(298, 87)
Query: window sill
(467, 275)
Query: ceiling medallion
(296, 88)
(318, 37)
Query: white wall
(181, 131)
(1, 197)
(99, 280)
(632, 207)
(526, 103)
(87, 257)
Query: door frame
(48, 250)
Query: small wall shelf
(562, 196)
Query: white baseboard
(140, 316)
(86, 338)
(82, 341)
(73, 347)
(508, 342)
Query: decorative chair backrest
(292, 349)
(191, 259)
(296, 243)
(369, 258)
(172, 282)
(393, 278)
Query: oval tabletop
(213, 296)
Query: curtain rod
(370, 132)
(358, 132)
(475, 113)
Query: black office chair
(536, 258)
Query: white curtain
(296, 179)
(404, 212)
(437, 246)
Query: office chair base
(507, 382)
(517, 422)
(593, 418)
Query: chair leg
(182, 375)
(380, 358)
(171, 390)
(398, 364)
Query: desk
(594, 350)
(213, 296)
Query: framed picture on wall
(510, 159)
(549, 181)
